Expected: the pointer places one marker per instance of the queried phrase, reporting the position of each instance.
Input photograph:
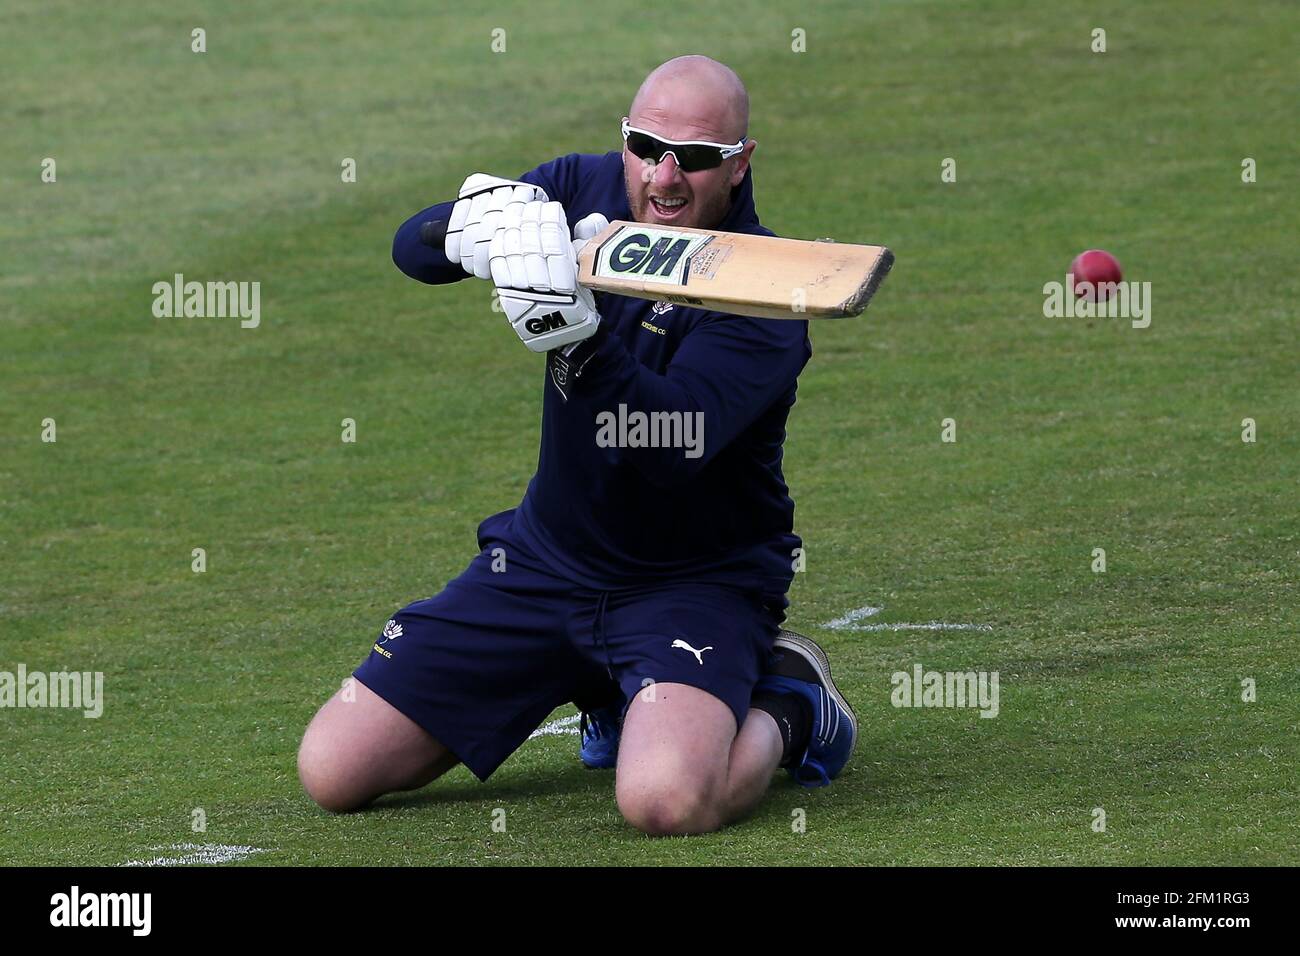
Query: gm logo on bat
(655, 255)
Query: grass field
(1120, 690)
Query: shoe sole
(811, 651)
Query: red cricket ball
(1094, 266)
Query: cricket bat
(731, 272)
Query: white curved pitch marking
(840, 623)
(192, 853)
(849, 622)
(564, 725)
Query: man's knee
(359, 746)
(325, 774)
(670, 808)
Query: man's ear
(741, 165)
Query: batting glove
(481, 202)
(584, 230)
(534, 267)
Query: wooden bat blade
(731, 272)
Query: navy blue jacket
(621, 517)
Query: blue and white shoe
(601, 730)
(800, 667)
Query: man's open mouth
(668, 208)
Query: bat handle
(434, 233)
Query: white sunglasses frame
(727, 150)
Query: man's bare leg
(682, 768)
(356, 750)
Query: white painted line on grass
(192, 853)
(930, 626)
(842, 622)
(564, 725)
(849, 622)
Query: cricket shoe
(601, 730)
(799, 666)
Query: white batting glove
(481, 201)
(531, 249)
(535, 270)
(587, 229)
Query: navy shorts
(483, 663)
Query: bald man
(643, 579)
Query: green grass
(1119, 690)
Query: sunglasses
(691, 155)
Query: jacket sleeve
(729, 368)
(560, 178)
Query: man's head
(690, 98)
